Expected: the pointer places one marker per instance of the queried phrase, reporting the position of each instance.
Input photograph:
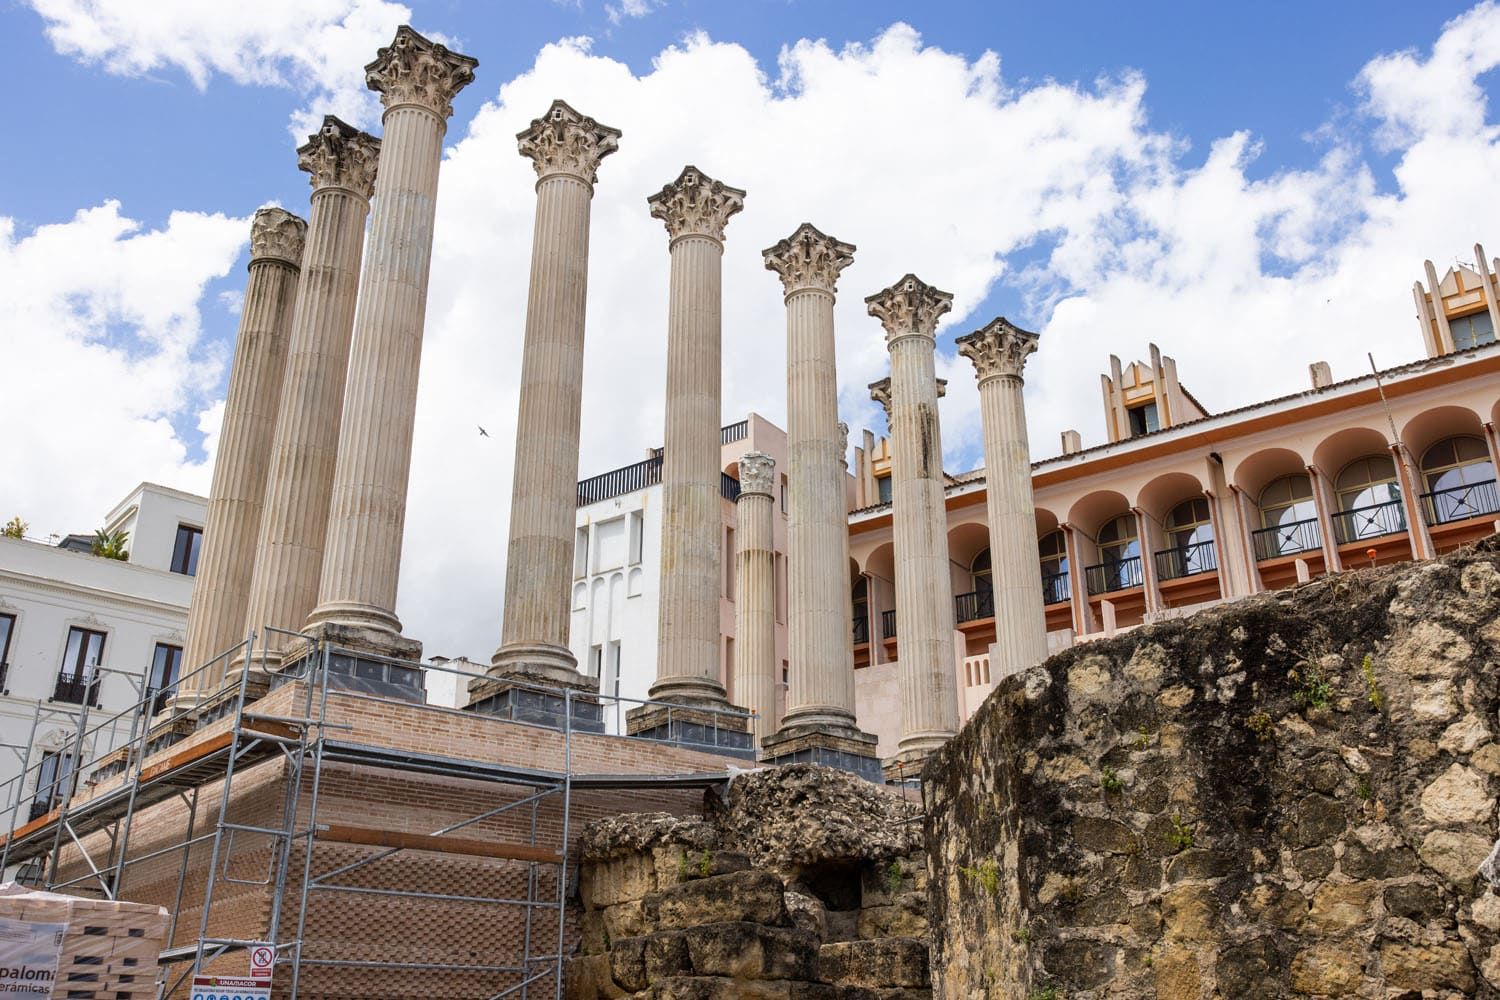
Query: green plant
(1372, 686)
(111, 544)
(986, 875)
(1315, 692)
(894, 873)
(1021, 935)
(1181, 837)
(14, 528)
(1142, 738)
(1363, 789)
(1110, 781)
(1045, 993)
(1261, 725)
(704, 864)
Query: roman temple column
(755, 590)
(909, 311)
(565, 147)
(695, 209)
(819, 725)
(417, 80)
(341, 162)
(998, 351)
(217, 614)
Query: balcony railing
(729, 487)
(973, 606)
(1187, 560)
(620, 481)
(861, 629)
(70, 687)
(734, 432)
(1358, 523)
(888, 624)
(1055, 588)
(1287, 539)
(1459, 503)
(1106, 578)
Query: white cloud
(630, 8)
(317, 48)
(931, 163)
(102, 341)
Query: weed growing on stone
(1181, 837)
(1021, 935)
(1315, 692)
(1372, 686)
(705, 864)
(1045, 993)
(986, 875)
(1142, 738)
(1110, 781)
(1363, 790)
(1261, 725)
(893, 875)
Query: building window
(7, 629)
(1120, 557)
(726, 559)
(83, 655)
(1369, 500)
(1460, 480)
(166, 669)
(1472, 330)
(185, 550)
(1190, 536)
(1288, 518)
(581, 553)
(596, 661)
(1143, 419)
(883, 488)
(783, 498)
(981, 570)
(637, 538)
(51, 781)
(860, 599)
(1053, 552)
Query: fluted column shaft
(289, 552)
(1020, 624)
(367, 510)
(217, 615)
(924, 601)
(821, 682)
(755, 605)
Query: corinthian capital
(696, 205)
(809, 259)
(276, 234)
(413, 70)
(881, 392)
(910, 306)
(340, 155)
(757, 473)
(998, 348)
(565, 142)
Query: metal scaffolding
(305, 743)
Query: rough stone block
(906, 916)
(899, 962)
(753, 896)
(636, 963)
(752, 951)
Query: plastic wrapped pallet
(107, 950)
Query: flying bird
(482, 432)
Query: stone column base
(843, 747)
(906, 766)
(363, 659)
(540, 701)
(694, 728)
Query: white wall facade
(136, 604)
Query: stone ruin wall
(1290, 796)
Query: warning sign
(230, 988)
(262, 957)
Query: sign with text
(28, 957)
(262, 957)
(230, 988)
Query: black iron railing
(1287, 539)
(729, 487)
(1187, 560)
(1108, 577)
(974, 606)
(1055, 588)
(620, 481)
(1459, 503)
(888, 624)
(734, 432)
(861, 629)
(71, 688)
(1358, 523)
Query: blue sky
(1251, 186)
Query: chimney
(1322, 375)
(1072, 443)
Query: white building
(67, 615)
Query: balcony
(861, 629)
(729, 487)
(734, 432)
(1459, 503)
(1106, 578)
(1186, 560)
(619, 482)
(888, 624)
(71, 688)
(1287, 539)
(1374, 521)
(1055, 588)
(973, 606)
